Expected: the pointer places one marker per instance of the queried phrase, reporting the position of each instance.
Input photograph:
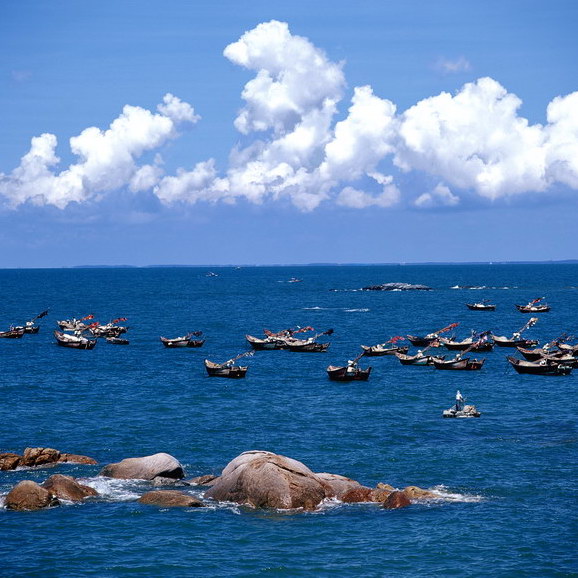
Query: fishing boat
(184, 341)
(534, 306)
(431, 339)
(312, 347)
(228, 369)
(348, 373)
(469, 343)
(484, 305)
(458, 363)
(542, 367)
(30, 327)
(517, 340)
(418, 359)
(110, 329)
(266, 344)
(381, 349)
(117, 341)
(76, 341)
(74, 324)
(460, 409)
(12, 333)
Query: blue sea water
(507, 481)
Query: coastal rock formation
(67, 488)
(397, 499)
(159, 465)
(396, 287)
(170, 499)
(76, 459)
(39, 457)
(206, 480)
(28, 495)
(415, 493)
(346, 489)
(266, 480)
(9, 461)
(381, 492)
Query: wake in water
(347, 310)
(480, 287)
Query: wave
(362, 310)
(449, 496)
(480, 287)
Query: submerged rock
(396, 287)
(28, 495)
(159, 465)
(170, 499)
(67, 488)
(267, 480)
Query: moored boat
(313, 347)
(12, 333)
(502, 341)
(458, 363)
(431, 339)
(348, 373)
(542, 367)
(117, 341)
(418, 359)
(380, 350)
(484, 305)
(225, 370)
(266, 344)
(534, 306)
(184, 341)
(469, 343)
(76, 341)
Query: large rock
(28, 495)
(146, 468)
(396, 500)
(9, 461)
(381, 492)
(346, 489)
(76, 459)
(206, 480)
(415, 493)
(170, 499)
(266, 480)
(39, 457)
(67, 488)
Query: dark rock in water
(40, 457)
(28, 495)
(67, 488)
(170, 499)
(146, 468)
(9, 461)
(396, 287)
(206, 480)
(356, 495)
(266, 480)
(396, 500)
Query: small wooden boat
(514, 341)
(484, 305)
(74, 324)
(267, 344)
(418, 359)
(73, 341)
(117, 341)
(225, 370)
(387, 348)
(543, 367)
(469, 343)
(185, 341)
(534, 306)
(431, 339)
(30, 327)
(313, 347)
(348, 373)
(108, 330)
(459, 363)
(12, 333)
(537, 353)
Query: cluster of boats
(534, 306)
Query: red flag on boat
(87, 317)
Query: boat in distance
(225, 370)
(534, 306)
(73, 341)
(348, 373)
(184, 341)
(418, 359)
(543, 367)
(12, 333)
(469, 344)
(484, 305)
(458, 363)
(313, 347)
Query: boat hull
(537, 368)
(223, 370)
(342, 374)
(376, 351)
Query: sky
(268, 132)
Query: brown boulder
(206, 480)
(415, 493)
(266, 480)
(396, 500)
(361, 494)
(28, 495)
(76, 459)
(146, 468)
(342, 486)
(170, 499)
(67, 488)
(381, 492)
(39, 456)
(9, 461)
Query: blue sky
(274, 132)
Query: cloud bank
(294, 148)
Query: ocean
(507, 482)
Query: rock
(346, 489)
(67, 488)
(39, 457)
(28, 495)
(170, 499)
(9, 461)
(381, 492)
(146, 468)
(206, 480)
(267, 480)
(415, 493)
(396, 287)
(76, 459)
(396, 500)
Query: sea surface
(507, 482)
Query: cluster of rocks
(396, 287)
(258, 479)
(34, 457)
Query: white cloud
(441, 196)
(448, 66)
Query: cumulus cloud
(301, 144)
(107, 159)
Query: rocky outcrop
(67, 488)
(170, 499)
(28, 495)
(9, 461)
(206, 480)
(346, 489)
(39, 457)
(396, 287)
(395, 500)
(146, 468)
(415, 493)
(76, 459)
(266, 480)
(381, 492)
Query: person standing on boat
(459, 401)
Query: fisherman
(351, 366)
(419, 353)
(459, 401)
